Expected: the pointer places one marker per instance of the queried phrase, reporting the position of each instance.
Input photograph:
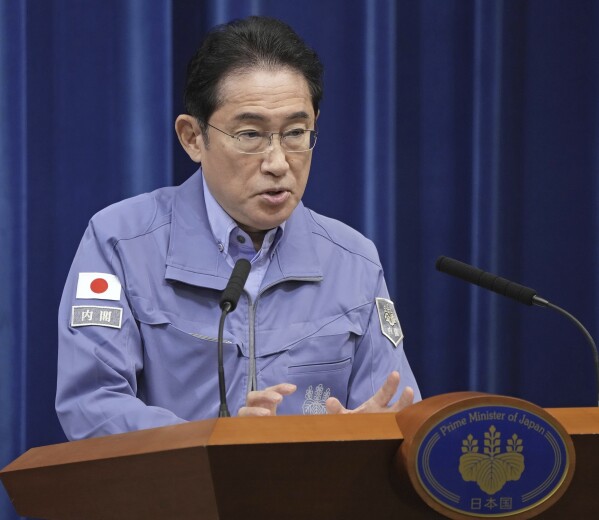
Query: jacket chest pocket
(321, 366)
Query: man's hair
(252, 43)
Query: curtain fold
(13, 228)
(466, 128)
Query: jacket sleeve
(100, 355)
(377, 356)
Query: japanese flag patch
(98, 286)
(390, 326)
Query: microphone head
(486, 280)
(233, 290)
(440, 263)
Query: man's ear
(190, 136)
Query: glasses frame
(314, 132)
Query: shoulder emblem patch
(389, 321)
(84, 315)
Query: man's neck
(257, 238)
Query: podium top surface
(254, 430)
(577, 421)
(216, 432)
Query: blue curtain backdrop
(458, 127)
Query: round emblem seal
(487, 456)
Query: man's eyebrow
(299, 115)
(252, 116)
(249, 116)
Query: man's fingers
(255, 411)
(263, 398)
(283, 388)
(386, 392)
(271, 395)
(379, 402)
(334, 406)
(265, 402)
(405, 399)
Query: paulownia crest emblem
(491, 469)
(389, 315)
(314, 403)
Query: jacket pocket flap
(278, 340)
(146, 312)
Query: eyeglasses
(253, 142)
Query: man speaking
(314, 331)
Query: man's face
(258, 191)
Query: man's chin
(267, 220)
(264, 225)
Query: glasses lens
(252, 142)
(292, 141)
(298, 140)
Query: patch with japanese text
(390, 326)
(83, 315)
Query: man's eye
(297, 132)
(249, 135)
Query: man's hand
(379, 402)
(265, 402)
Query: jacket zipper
(252, 376)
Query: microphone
(234, 288)
(228, 303)
(513, 290)
(489, 281)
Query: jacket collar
(193, 256)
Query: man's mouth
(275, 197)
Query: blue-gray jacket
(149, 358)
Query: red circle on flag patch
(99, 285)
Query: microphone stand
(228, 303)
(512, 290)
(541, 302)
(223, 410)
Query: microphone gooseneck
(515, 291)
(228, 303)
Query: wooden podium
(290, 467)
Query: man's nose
(275, 160)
